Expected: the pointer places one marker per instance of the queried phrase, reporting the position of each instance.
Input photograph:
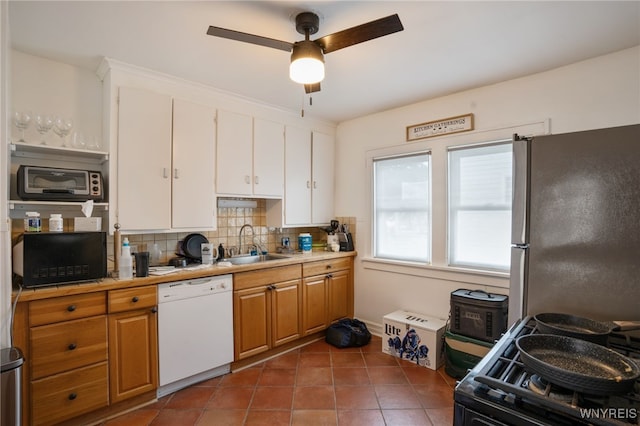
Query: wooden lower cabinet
(133, 342)
(327, 293)
(66, 360)
(67, 395)
(266, 309)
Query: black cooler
(478, 314)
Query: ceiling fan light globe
(306, 71)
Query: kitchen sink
(247, 259)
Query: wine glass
(78, 141)
(44, 123)
(21, 120)
(94, 143)
(62, 127)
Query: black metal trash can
(10, 392)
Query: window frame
(374, 211)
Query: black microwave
(47, 183)
(46, 258)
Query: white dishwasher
(195, 331)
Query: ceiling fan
(307, 57)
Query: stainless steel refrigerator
(576, 225)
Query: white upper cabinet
(297, 160)
(144, 160)
(166, 163)
(194, 136)
(268, 158)
(322, 170)
(309, 180)
(250, 156)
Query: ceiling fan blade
(310, 88)
(250, 38)
(361, 33)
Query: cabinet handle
(247, 179)
(329, 276)
(72, 396)
(175, 174)
(71, 308)
(256, 180)
(154, 310)
(164, 173)
(72, 346)
(135, 299)
(308, 184)
(328, 266)
(271, 287)
(315, 185)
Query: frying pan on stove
(581, 328)
(577, 365)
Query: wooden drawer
(243, 280)
(132, 298)
(325, 266)
(49, 311)
(64, 346)
(70, 394)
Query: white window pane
(402, 225)
(480, 206)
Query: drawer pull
(329, 276)
(135, 299)
(71, 308)
(328, 266)
(72, 346)
(72, 396)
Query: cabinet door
(314, 304)
(251, 322)
(323, 178)
(285, 302)
(193, 166)
(144, 160)
(268, 158)
(338, 295)
(133, 353)
(297, 176)
(234, 169)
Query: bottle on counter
(220, 252)
(55, 222)
(126, 262)
(32, 222)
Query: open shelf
(21, 149)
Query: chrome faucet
(240, 236)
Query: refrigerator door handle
(517, 283)
(520, 200)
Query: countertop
(29, 294)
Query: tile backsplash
(230, 220)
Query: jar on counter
(32, 222)
(55, 223)
(304, 243)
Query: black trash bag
(347, 333)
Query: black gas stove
(498, 391)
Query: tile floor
(317, 384)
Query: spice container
(55, 222)
(32, 222)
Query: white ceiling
(445, 47)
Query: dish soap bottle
(126, 262)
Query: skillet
(577, 364)
(191, 245)
(581, 328)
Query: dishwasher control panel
(198, 287)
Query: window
(480, 206)
(402, 208)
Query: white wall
(44, 86)
(601, 92)
(5, 228)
